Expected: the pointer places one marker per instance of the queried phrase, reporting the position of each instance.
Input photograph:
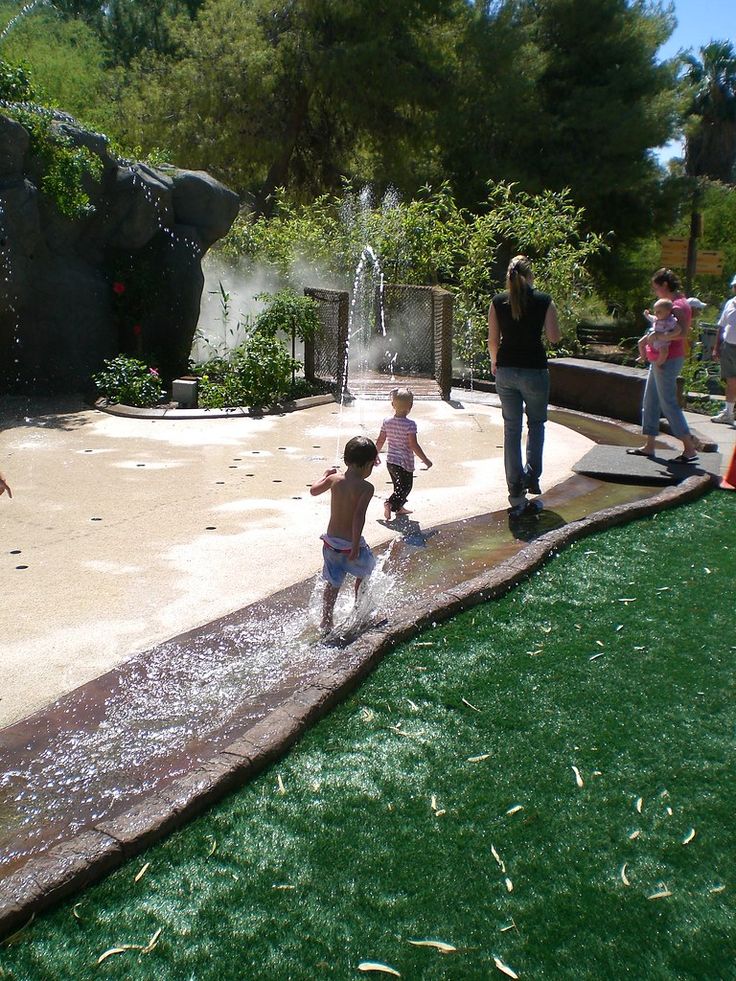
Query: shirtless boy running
(344, 549)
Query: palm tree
(710, 149)
(710, 129)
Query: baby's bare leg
(328, 605)
(662, 354)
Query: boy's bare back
(350, 496)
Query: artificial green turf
(352, 860)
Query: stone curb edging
(235, 412)
(93, 852)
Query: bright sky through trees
(698, 23)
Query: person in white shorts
(724, 350)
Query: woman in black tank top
(518, 322)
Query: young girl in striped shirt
(401, 434)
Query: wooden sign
(674, 252)
(709, 263)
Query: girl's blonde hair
(517, 279)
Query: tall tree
(294, 93)
(603, 102)
(710, 148)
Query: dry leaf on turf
(624, 877)
(478, 759)
(282, 788)
(76, 915)
(639, 802)
(142, 871)
(662, 894)
(466, 702)
(152, 942)
(578, 778)
(498, 859)
(437, 944)
(718, 889)
(515, 808)
(118, 950)
(504, 968)
(509, 885)
(634, 834)
(376, 966)
(689, 837)
(213, 848)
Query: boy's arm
(361, 507)
(416, 448)
(324, 483)
(380, 441)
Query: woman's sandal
(639, 452)
(683, 458)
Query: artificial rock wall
(126, 277)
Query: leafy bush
(129, 381)
(257, 373)
(15, 83)
(289, 312)
(431, 240)
(66, 166)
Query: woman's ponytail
(517, 279)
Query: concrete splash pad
(119, 762)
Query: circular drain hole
(21, 567)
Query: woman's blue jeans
(520, 389)
(660, 398)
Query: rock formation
(125, 277)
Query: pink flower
(118, 288)
(154, 371)
(137, 330)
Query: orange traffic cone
(729, 481)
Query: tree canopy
(561, 96)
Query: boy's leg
(328, 605)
